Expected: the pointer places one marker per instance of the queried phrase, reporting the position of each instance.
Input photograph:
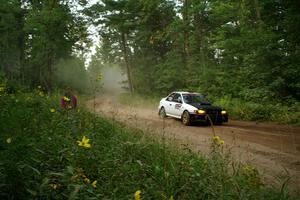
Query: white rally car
(191, 107)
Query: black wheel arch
(185, 111)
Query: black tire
(186, 119)
(162, 113)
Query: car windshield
(193, 98)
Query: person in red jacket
(69, 101)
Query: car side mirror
(179, 100)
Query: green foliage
(41, 159)
(52, 31)
(239, 109)
(35, 36)
(11, 37)
(247, 50)
(72, 73)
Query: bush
(240, 109)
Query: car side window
(187, 98)
(177, 97)
(171, 97)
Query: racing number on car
(177, 106)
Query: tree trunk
(50, 71)
(128, 67)
(185, 31)
(199, 37)
(257, 11)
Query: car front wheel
(186, 119)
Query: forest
(243, 55)
(236, 51)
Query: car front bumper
(204, 118)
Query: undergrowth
(240, 109)
(50, 153)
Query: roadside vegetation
(50, 153)
(270, 112)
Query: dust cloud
(114, 80)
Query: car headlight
(201, 112)
(224, 112)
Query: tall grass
(43, 156)
(239, 109)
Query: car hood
(205, 106)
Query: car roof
(184, 92)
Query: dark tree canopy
(241, 49)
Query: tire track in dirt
(273, 149)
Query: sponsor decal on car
(178, 106)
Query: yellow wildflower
(54, 186)
(8, 140)
(151, 40)
(75, 177)
(216, 138)
(94, 184)
(52, 110)
(87, 180)
(171, 198)
(41, 93)
(66, 98)
(84, 142)
(28, 99)
(81, 173)
(100, 77)
(248, 168)
(137, 195)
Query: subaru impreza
(191, 107)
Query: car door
(169, 103)
(177, 107)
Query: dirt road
(273, 149)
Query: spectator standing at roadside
(69, 100)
